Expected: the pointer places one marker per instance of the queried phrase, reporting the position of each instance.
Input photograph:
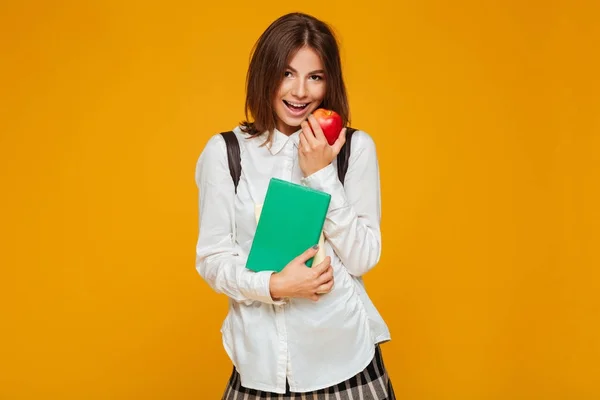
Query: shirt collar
(280, 139)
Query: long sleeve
(218, 258)
(352, 226)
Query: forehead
(306, 59)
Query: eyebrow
(318, 71)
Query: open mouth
(296, 106)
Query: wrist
(314, 170)
(275, 287)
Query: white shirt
(312, 344)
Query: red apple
(331, 124)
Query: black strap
(235, 162)
(344, 155)
(233, 156)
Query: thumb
(337, 146)
(308, 254)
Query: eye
(287, 74)
(316, 77)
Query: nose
(299, 88)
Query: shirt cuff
(263, 289)
(326, 180)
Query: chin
(294, 122)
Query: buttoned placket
(282, 364)
(289, 151)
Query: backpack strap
(344, 155)
(233, 156)
(235, 162)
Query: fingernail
(316, 246)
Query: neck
(288, 130)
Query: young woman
(310, 332)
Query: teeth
(297, 104)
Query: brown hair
(270, 57)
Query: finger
(304, 142)
(302, 145)
(316, 128)
(308, 254)
(308, 133)
(337, 146)
(325, 276)
(325, 288)
(322, 266)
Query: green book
(291, 221)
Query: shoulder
(362, 141)
(212, 163)
(213, 154)
(216, 145)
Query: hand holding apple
(315, 150)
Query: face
(301, 91)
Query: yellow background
(486, 119)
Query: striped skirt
(373, 383)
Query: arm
(217, 256)
(352, 226)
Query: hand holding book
(290, 220)
(298, 280)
